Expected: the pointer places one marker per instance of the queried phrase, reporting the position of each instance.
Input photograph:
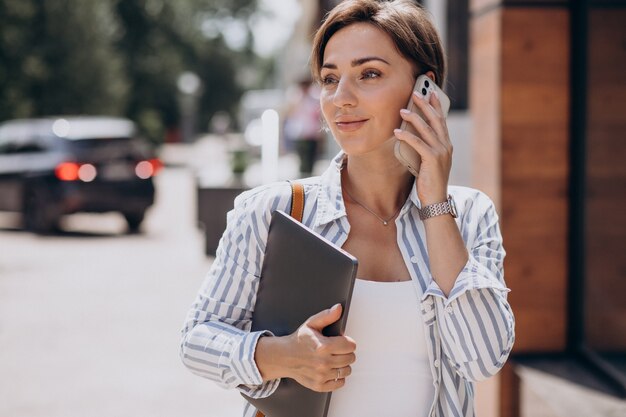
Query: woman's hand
(433, 144)
(317, 362)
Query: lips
(349, 123)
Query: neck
(377, 180)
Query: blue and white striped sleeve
(476, 322)
(216, 339)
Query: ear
(431, 75)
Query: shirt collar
(330, 205)
(330, 198)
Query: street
(90, 318)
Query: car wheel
(40, 213)
(134, 221)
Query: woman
(429, 314)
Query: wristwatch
(438, 209)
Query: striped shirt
(469, 333)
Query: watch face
(452, 207)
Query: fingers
(322, 362)
(339, 373)
(431, 108)
(432, 126)
(344, 372)
(341, 361)
(435, 104)
(328, 386)
(330, 381)
(415, 141)
(324, 372)
(324, 318)
(327, 372)
(339, 345)
(334, 353)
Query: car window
(114, 148)
(20, 145)
(5, 146)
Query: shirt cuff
(473, 276)
(243, 363)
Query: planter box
(212, 204)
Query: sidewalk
(545, 395)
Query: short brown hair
(405, 21)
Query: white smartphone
(403, 151)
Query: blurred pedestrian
(429, 312)
(303, 128)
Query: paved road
(90, 319)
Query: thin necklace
(385, 222)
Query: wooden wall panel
(484, 89)
(480, 6)
(606, 181)
(540, 3)
(535, 171)
(519, 96)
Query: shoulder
(247, 224)
(263, 200)
(258, 197)
(252, 213)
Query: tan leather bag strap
(297, 200)
(297, 212)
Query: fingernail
(396, 131)
(405, 111)
(335, 307)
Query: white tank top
(391, 375)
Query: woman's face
(365, 83)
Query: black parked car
(55, 166)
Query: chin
(361, 146)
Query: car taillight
(147, 169)
(72, 171)
(67, 171)
(156, 164)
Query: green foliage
(53, 54)
(117, 57)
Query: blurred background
(128, 126)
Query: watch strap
(437, 209)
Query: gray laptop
(302, 274)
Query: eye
(328, 80)
(370, 74)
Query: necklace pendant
(384, 223)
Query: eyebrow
(357, 62)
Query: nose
(344, 94)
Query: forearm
(446, 250)
(270, 357)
